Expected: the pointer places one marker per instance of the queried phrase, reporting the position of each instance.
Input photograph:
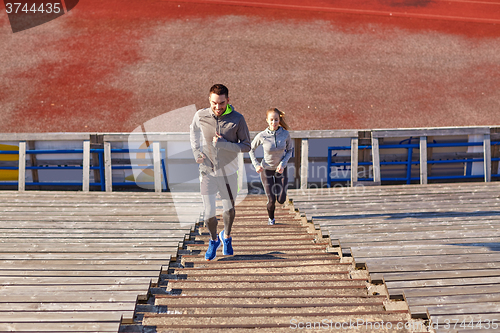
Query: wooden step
(227, 262)
(271, 309)
(357, 291)
(188, 285)
(268, 317)
(174, 300)
(257, 276)
(190, 260)
(278, 328)
(288, 268)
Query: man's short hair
(219, 89)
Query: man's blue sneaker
(271, 222)
(212, 249)
(227, 248)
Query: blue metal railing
(100, 166)
(409, 146)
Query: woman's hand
(259, 169)
(280, 168)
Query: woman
(278, 149)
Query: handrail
(44, 136)
(100, 166)
(302, 139)
(409, 161)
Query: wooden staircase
(281, 278)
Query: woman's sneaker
(271, 221)
(227, 247)
(212, 249)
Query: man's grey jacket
(221, 156)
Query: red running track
(112, 65)
(453, 10)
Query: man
(217, 135)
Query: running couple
(217, 135)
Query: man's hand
(216, 137)
(259, 169)
(200, 158)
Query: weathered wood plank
(102, 234)
(412, 251)
(374, 225)
(65, 306)
(102, 210)
(44, 136)
(74, 280)
(323, 134)
(88, 255)
(102, 327)
(79, 293)
(400, 197)
(13, 225)
(495, 280)
(427, 266)
(451, 291)
(417, 132)
(453, 321)
(91, 240)
(408, 209)
(152, 272)
(412, 188)
(487, 257)
(411, 242)
(86, 248)
(454, 299)
(440, 329)
(80, 267)
(142, 137)
(409, 276)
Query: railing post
(108, 177)
(241, 171)
(376, 160)
(408, 165)
(34, 172)
(21, 184)
(487, 157)
(96, 142)
(354, 161)
(328, 168)
(297, 161)
(86, 166)
(304, 167)
(157, 166)
(423, 159)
